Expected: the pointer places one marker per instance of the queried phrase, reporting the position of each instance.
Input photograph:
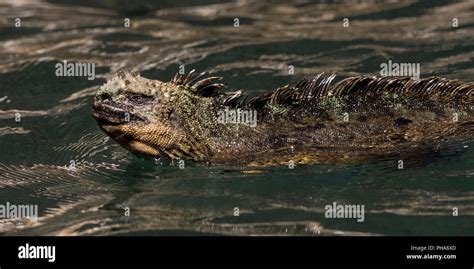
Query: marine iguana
(311, 121)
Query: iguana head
(153, 118)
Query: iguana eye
(138, 98)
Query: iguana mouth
(108, 112)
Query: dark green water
(56, 126)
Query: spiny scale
(307, 91)
(204, 87)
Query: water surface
(57, 129)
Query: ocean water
(54, 155)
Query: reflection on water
(93, 195)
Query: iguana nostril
(105, 96)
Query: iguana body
(312, 121)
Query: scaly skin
(357, 119)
